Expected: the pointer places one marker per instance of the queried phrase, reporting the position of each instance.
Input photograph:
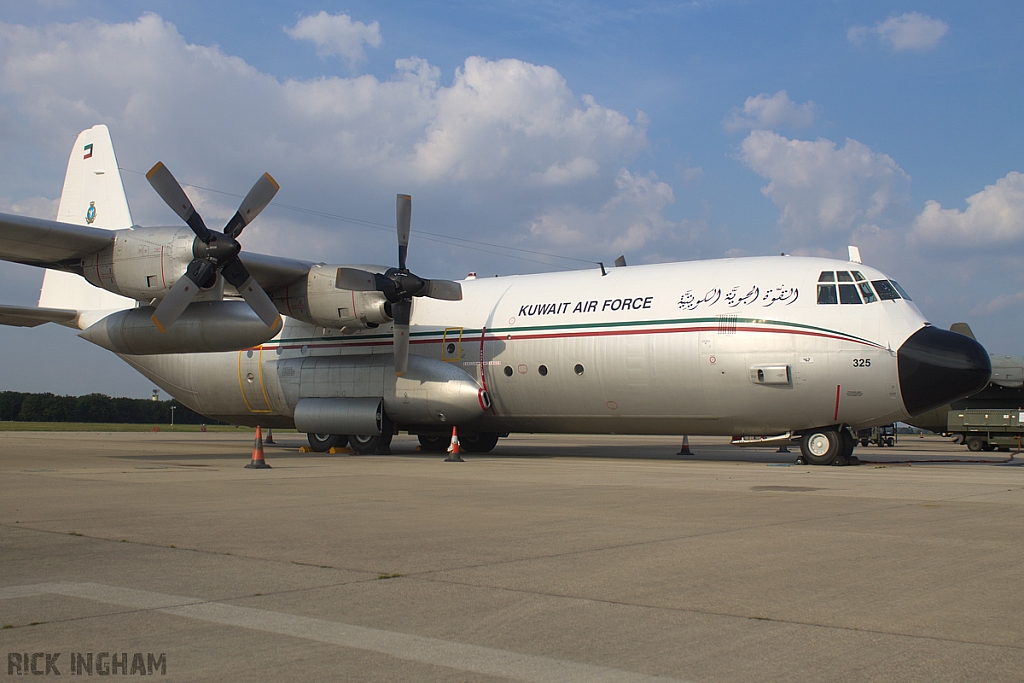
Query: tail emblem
(90, 214)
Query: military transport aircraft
(776, 347)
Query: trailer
(987, 430)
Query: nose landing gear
(828, 446)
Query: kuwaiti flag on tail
(88, 151)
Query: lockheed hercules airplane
(775, 347)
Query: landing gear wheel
(821, 446)
(370, 445)
(478, 442)
(890, 442)
(434, 443)
(321, 443)
(974, 443)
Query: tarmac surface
(553, 558)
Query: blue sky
(663, 131)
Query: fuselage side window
(827, 294)
(848, 294)
(844, 276)
(886, 292)
(869, 295)
(827, 276)
(900, 290)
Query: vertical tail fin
(93, 195)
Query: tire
(890, 442)
(820, 446)
(370, 445)
(864, 443)
(974, 443)
(988, 447)
(478, 442)
(849, 442)
(321, 443)
(434, 443)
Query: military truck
(987, 429)
(884, 435)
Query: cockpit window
(827, 276)
(886, 292)
(865, 289)
(827, 294)
(844, 276)
(900, 290)
(848, 294)
(858, 277)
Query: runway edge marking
(453, 655)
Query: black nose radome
(937, 367)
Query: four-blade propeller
(399, 286)
(214, 252)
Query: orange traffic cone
(270, 437)
(453, 449)
(685, 450)
(258, 463)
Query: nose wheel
(828, 446)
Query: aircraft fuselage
(734, 346)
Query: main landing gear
(471, 442)
(828, 446)
(360, 445)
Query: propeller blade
(403, 216)
(445, 290)
(184, 292)
(170, 191)
(401, 312)
(237, 275)
(259, 196)
(356, 280)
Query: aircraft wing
(274, 272)
(48, 244)
(20, 316)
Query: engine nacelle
(206, 327)
(143, 263)
(317, 299)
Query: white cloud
(994, 217)
(505, 143)
(1001, 303)
(770, 111)
(909, 31)
(337, 35)
(629, 221)
(825, 192)
(38, 207)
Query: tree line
(16, 406)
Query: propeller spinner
(399, 286)
(214, 252)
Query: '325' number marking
(862, 362)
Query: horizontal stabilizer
(19, 316)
